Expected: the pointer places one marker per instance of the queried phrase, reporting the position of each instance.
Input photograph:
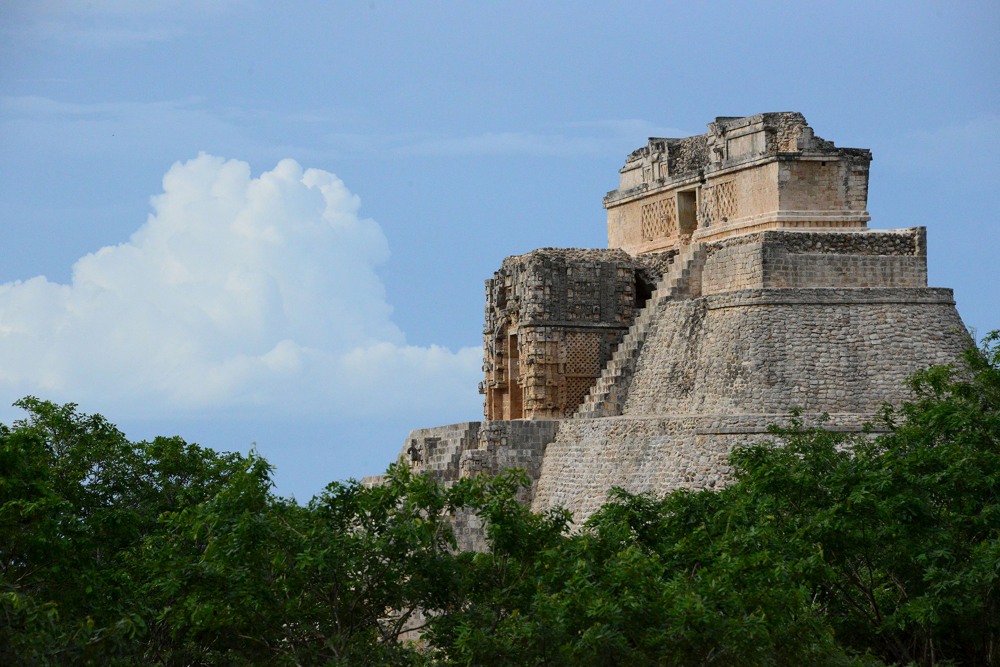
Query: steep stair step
(605, 398)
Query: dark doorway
(687, 213)
(643, 289)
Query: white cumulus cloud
(237, 292)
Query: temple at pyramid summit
(741, 281)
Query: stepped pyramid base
(722, 352)
(589, 457)
(716, 371)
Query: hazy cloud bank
(110, 24)
(236, 292)
(571, 140)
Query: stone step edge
(595, 403)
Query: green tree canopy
(828, 548)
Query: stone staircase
(681, 281)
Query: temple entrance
(687, 214)
(643, 290)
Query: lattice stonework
(576, 390)
(726, 205)
(583, 354)
(659, 219)
(706, 206)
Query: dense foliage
(829, 549)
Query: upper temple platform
(767, 171)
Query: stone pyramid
(741, 282)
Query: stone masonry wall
(834, 185)
(467, 449)
(553, 318)
(438, 450)
(732, 264)
(802, 259)
(767, 351)
(715, 371)
(652, 454)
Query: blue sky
(242, 223)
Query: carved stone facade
(767, 171)
(553, 319)
(741, 282)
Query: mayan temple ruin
(741, 281)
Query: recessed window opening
(687, 213)
(643, 290)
